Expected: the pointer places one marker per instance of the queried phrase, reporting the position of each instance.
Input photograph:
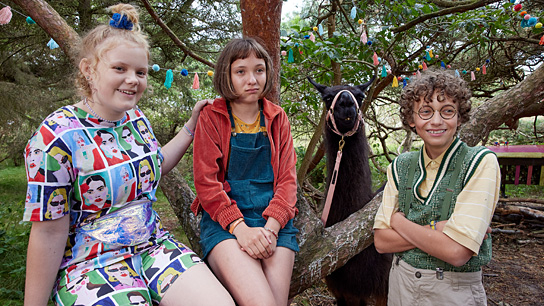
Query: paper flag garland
(52, 44)
(312, 37)
(290, 59)
(395, 82)
(5, 15)
(169, 79)
(364, 39)
(375, 60)
(196, 83)
(353, 12)
(472, 76)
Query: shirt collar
(428, 161)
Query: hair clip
(121, 22)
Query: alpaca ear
(364, 86)
(319, 87)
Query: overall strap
(262, 122)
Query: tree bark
(262, 19)
(523, 100)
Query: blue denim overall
(251, 178)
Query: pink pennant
(424, 66)
(472, 76)
(364, 39)
(312, 37)
(5, 15)
(196, 83)
(418, 73)
(375, 59)
(484, 70)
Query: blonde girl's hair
(240, 48)
(104, 38)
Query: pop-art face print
(64, 174)
(146, 134)
(80, 284)
(34, 161)
(137, 298)
(57, 203)
(96, 194)
(79, 140)
(124, 175)
(145, 177)
(167, 279)
(109, 146)
(119, 273)
(61, 120)
(127, 136)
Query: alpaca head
(345, 109)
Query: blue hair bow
(121, 23)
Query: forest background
(463, 35)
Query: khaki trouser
(410, 286)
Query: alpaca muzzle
(330, 116)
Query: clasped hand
(255, 241)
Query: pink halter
(332, 185)
(330, 115)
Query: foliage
(462, 38)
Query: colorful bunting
(196, 83)
(52, 44)
(169, 79)
(5, 15)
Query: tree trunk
(262, 19)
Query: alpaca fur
(366, 274)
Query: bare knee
(197, 286)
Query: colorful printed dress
(105, 176)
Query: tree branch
(456, 9)
(54, 25)
(523, 100)
(173, 36)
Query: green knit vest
(450, 181)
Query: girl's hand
(254, 241)
(198, 107)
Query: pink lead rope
(332, 185)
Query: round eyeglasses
(446, 112)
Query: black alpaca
(366, 274)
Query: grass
(13, 235)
